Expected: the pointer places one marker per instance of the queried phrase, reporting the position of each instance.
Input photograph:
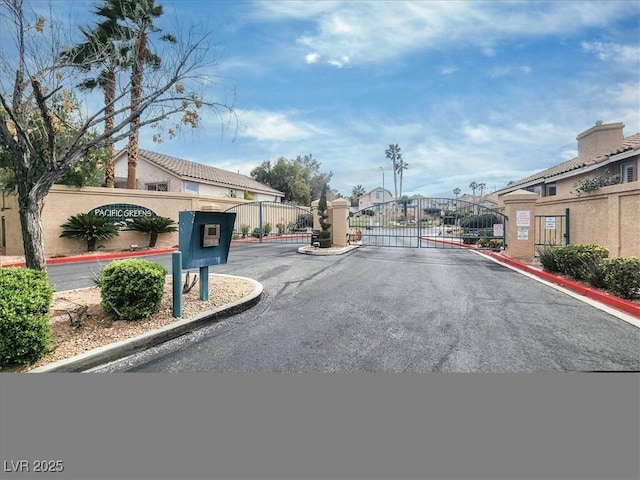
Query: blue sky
(471, 90)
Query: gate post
(339, 218)
(316, 218)
(520, 208)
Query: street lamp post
(382, 169)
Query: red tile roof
(629, 143)
(199, 172)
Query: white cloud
(376, 31)
(448, 70)
(622, 55)
(311, 58)
(274, 126)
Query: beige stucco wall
(63, 201)
(609, 216)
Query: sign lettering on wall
(123, 213)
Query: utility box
(205, 237)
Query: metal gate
(430, 223)
(272, 222)
(552, 230)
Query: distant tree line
(300, 179)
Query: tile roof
(197, 171)
(629, 143)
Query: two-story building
(374, 197)
(603, 152)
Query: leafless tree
(33, 73)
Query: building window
(627, 173)
(551, 189)
(537, 189)
(158, 187)
(379, 194)
(191, 187)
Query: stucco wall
(63, 201)
(609, 216)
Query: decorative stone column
(316, 218)
(339, 218)
(520, 209)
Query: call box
(205, 237)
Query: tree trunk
(140, 51)
(132, 164)
(109, 95)
(31, 225)
(153, 240)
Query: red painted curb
(577, 287)
(92, 258)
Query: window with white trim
(158, 187)
(627, 172)
(191, 187)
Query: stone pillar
(316, 218)
(339, 219)
(520, 209)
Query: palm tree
(356, 193)
(402, 166)
(456, 192)
(89, 226)
(473, 186)
(393, 154)
(153, 226)
(103, 48)
(481, 187)
(136, 17)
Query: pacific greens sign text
(123, 213)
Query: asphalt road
(394, 310)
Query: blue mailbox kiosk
(204, 239)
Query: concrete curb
(108, 353)
(94, 258)
(310, 250)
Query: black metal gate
(422, 222)
(272, 222)
(552, 230)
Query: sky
(484, 91)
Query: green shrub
(25, 298)
(485, 220)
(622, 277)
(579, 260)
(469, 239)
(89, 226)
(132, 288)
(547, 258)
(324, 239)
(153, 226)
(267, 228)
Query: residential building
(158, 172)
(374, 197)
(603, 152)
